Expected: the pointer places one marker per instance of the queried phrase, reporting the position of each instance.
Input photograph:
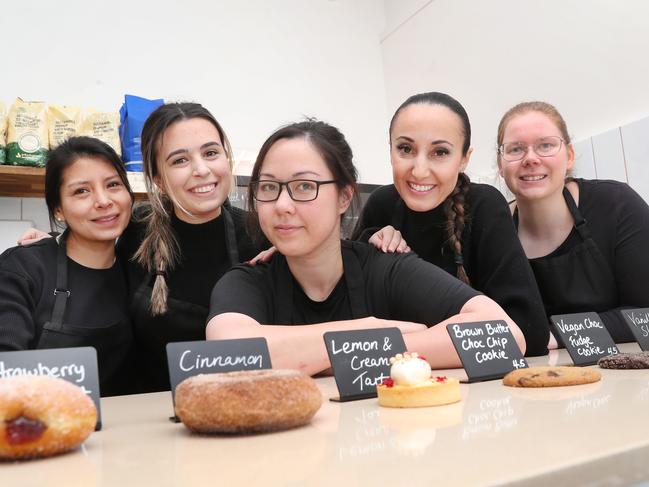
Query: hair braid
(455, 216)
(158, 251)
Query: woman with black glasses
(303, 182)
(585, 240)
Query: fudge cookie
(551, 377)
(635, 360)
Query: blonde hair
(159, 251)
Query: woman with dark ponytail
(434, 210)
(186, 238)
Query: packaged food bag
(27, 139)
(62, 123)
(133, 114)
(103, 126)
(3, 132)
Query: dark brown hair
(330, 144)
(454, 204)
(68, 153)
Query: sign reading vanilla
(638, 321)
(187, 359)
(585, 337)
(76, 365)
(361, 359)
(487, 349)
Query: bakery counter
(588, 434)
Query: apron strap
(354, 279)
(230, 237)
(61, 292)
(580, 221)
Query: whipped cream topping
(409, 369)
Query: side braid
(158, 251)
(454, 211)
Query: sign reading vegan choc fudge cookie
(76, 365)
(585, 337)
(361, 359)
(487, 349)
(638, 321)
(187, 359)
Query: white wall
(256, 64)
(588, 58)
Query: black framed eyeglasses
(266, 190)
(544, 147)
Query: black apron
(577, 281)
(353, 273)
(178, 324)
(113, 342)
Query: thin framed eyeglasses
(544, 147)
(266, 190)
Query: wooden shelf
(29, 182)
(22, 181)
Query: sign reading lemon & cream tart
(638, 321)
(487, 349)
(585, 337)
(77, 365)
(187, 359)
(361, 359)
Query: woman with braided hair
(434, 210)
(186, 238)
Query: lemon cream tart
(411, 384)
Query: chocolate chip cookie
(551, 376)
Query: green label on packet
(3, 159)
(18, 157)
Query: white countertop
(594, 434)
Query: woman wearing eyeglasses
(302, 183)
(462, 227)
(585, 240)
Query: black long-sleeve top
(493, 257)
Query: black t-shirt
(493, 257)
(97, 300)
(618, 220)
(388, 286)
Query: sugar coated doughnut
(247, 401)
(42, 416)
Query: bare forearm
(298, 347)
(436, 345)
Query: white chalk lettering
(461, 332)
(368, 362)
(190, 362)
(77, 372)
(351, 347)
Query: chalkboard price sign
(361, 359)
(638, 321)
(585, 337)
(487, 349)
(187, 359)
(76, 365)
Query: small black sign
(76, 365)
(361, 359)
(487, 349)
(638, 321)
(585, 337)
(187, 359)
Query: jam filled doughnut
(247, 401)
(42, 416)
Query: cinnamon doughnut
(42, 416)
(247, 401)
